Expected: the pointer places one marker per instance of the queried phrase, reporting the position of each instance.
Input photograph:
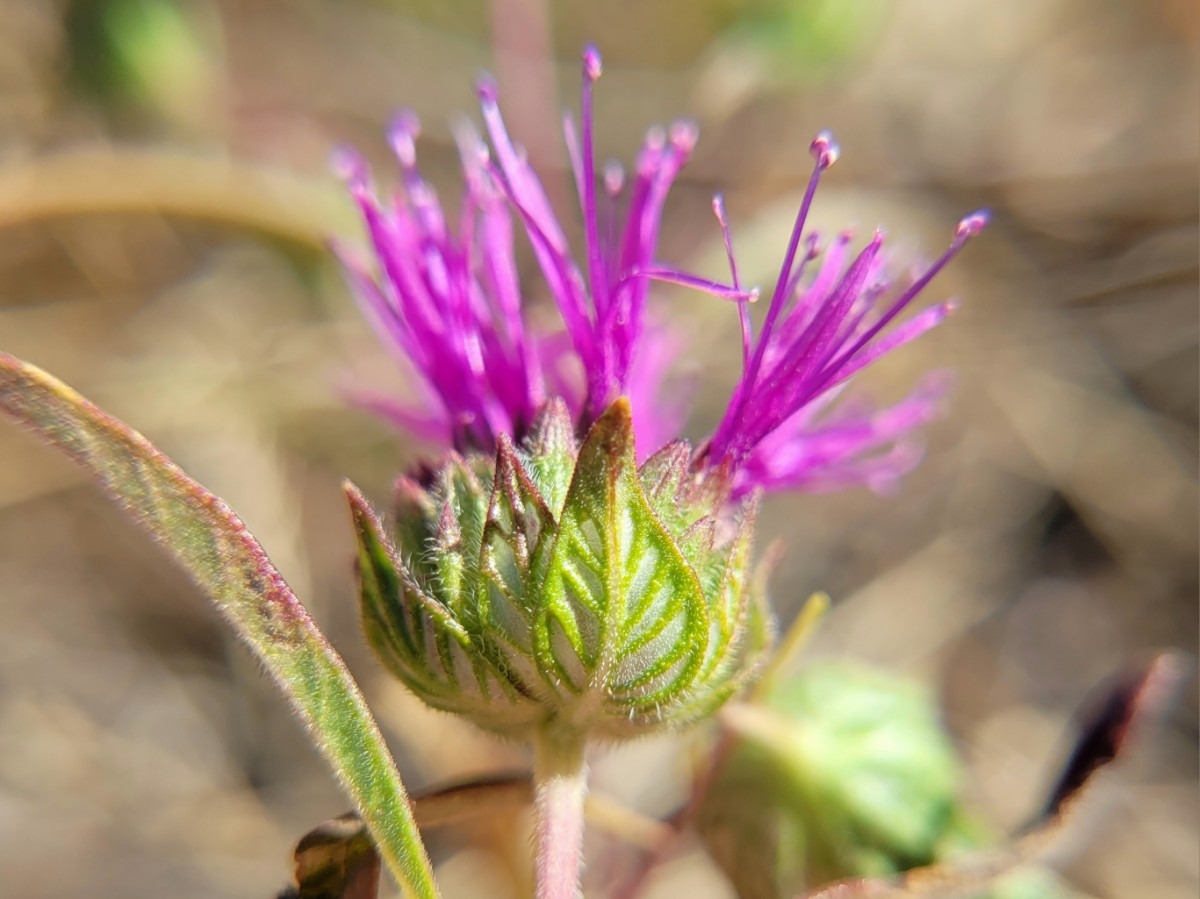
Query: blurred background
(164, 205)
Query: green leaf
(408, 629)
(740, 629)
(209, 541)
(1119, 718)
(623, 625)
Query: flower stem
(560, 786)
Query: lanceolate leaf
(214, 547)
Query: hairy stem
(560, 786)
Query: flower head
(546, 571)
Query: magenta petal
(843, 445)
(449, 300)
(779, 430)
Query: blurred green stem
(560, 787)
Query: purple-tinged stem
(560, 787)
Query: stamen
(614, 183)
(487, 90)
(683, 279)
(805, 359)
(593, 65)
(614, 179)
(967, 228)
(972, 224)
(925, 320)
(683, 136)
(598, 276)
(718, 206)
(557, 267)
(648, 158)
(571, 140)
(824, 150)
(348, 164)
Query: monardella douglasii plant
(563, 570)
(568, 569)
(568, 564)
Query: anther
(614, 178)
(972, 224)
(488, 92)
(403, 132)
(824, 149)
(593, 66)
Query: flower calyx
(558, 582)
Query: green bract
(558, 582)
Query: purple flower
(604, 306)
(448, 301)
(828, 319)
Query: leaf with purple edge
(518, 520)
(209, 541)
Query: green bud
(559, 582)
(844, 771)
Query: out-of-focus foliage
(841, 771)
(798, 39)
(160, 58)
